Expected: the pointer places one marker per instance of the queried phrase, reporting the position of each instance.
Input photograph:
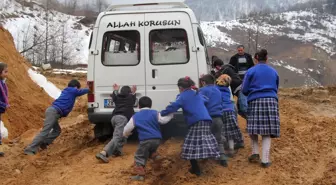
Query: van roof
(147, 6)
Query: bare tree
(47, 31)
(71, 5)
(101, 5)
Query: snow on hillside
(305, 26)
(28, 27)
(309, 80)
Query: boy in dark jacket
(147, 122)
(124, 110)
(61, 107)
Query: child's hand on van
(116, 87)
(134, 89)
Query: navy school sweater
(227, 104)
(213, 100)
(147, 124)
(192, 105)
(3, 105)
(261, 81)
(66, 101)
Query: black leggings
(194, 166)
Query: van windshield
(121, 48)
(169, 46)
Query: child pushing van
(147, 122)
(124, 110)
(61, 107)
(231, 129)
(261, 88)
(213, 103)
(199, 143)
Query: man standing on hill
(241, 61)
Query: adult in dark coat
(241, 61)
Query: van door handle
(154, 73)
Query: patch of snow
(68, 71)
(305, 26)
(42, 81)
(311, 70)
(294, 69)
(214, 36)
(28, 26)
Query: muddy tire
(103, 131)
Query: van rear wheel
(103, 131)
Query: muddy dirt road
(305, 153)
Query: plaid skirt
(200, 143)
(231, 129)
(263, 117)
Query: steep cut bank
(27, 101)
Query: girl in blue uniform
(3, 96)
(231, 129)
(213, 103)
(199, 143)
(261, 88)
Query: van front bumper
(175, 128)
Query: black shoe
(239, 146)
(255, 158)
(195, 172)
(266, 165)
(2, 154)
(223, 163)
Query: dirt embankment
(27, 100)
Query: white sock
(266, 146)
(254, 144)
(231, 144)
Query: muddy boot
(255, 158)
(30, 152)
(138, 173)
(102, 157)
(223, 160)
(239, 146)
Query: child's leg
(216, 129)
(195, 169)
(255, 149)
(56, 131)
(141, 156)
(51, 119)
(117, 141)
(266, 146)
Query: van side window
(202, 41)
(169, 46)
(121, 48)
